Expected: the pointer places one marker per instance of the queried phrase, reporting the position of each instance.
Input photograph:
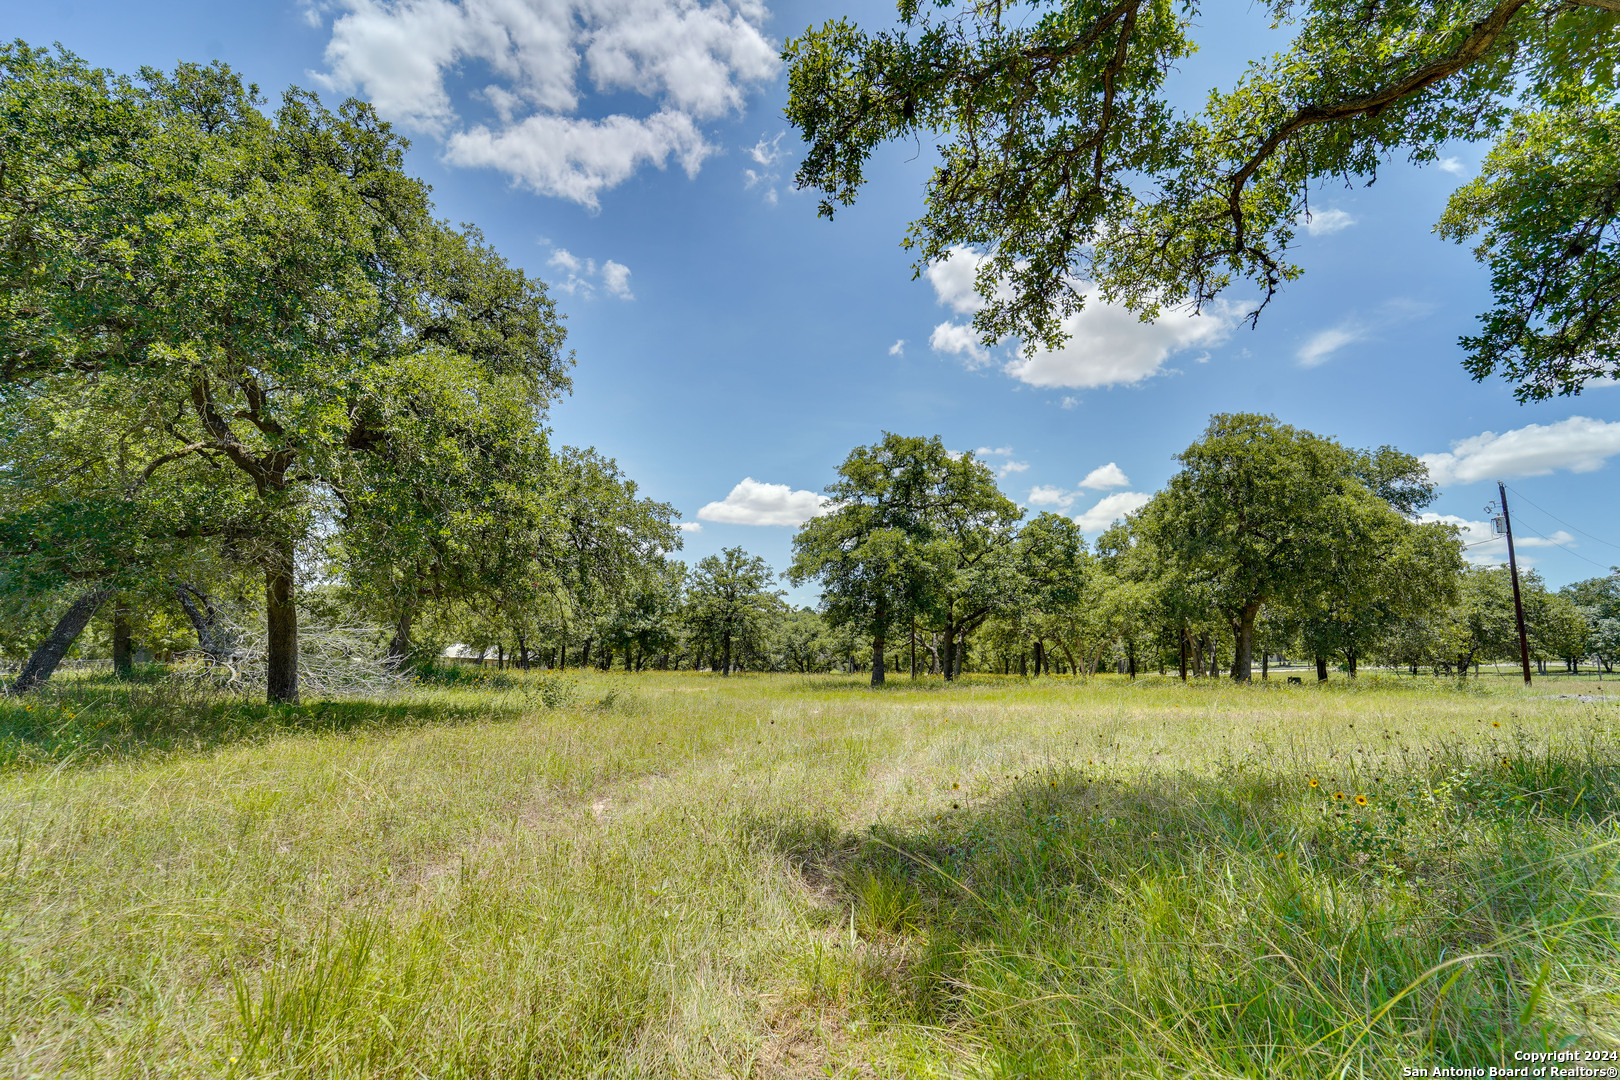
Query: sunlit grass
(679, 875)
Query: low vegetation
(583, 874)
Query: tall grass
(677, 875)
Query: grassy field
(683, 876)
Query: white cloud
(690, 526)
(1325, 222)
(754, 503)
(1107, 344)
(1069, 402)
(1452, 165)
(766, 153)
(1048, 495)
(1321, 346)
(1006, 468)
(898, 348)
(1104, 477)
(691, 61)
(1109, 510)
(953, 279)
(616, 279)
(578, 159)
(961, 341)
(1578, 444)
(1483, 549)
(582, 276)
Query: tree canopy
(248, 325)
(1064, 159)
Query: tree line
(1268, 540)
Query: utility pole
(1513, 571)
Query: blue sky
(732, 347)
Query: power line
(1564, 523)
(1572, 551)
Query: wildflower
(956, 806)
(955, 786)
(1314, 782)
(1339, 795)
(1279, 854)
(1496, 723)
(1361, 800)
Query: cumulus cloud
(1104, 477)
(1109, 509)
(1049, 495)
(581, 277)
(689, 60)
(1579, 444)
(1452, 165)
(1005, 468)
(690, 526)
(1108, 345)
(898, 348)
(616, 279)
(1325, 222)
(755, 503)
(577, 159)
(1483, 549)
(959, 340)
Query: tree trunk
(1130, 657)
(1243, 644)
(913, 648)
(281, 618)
(725, 654)
(585, 657)
(948, 651)
(1023, 663)
(122, 654)
(1350, 661)
(50, 652)
(1321, 668)
(500, 656)
(629, 660)
(399, 647)
(877, 658)
(1064, 645)
(1265, 666)
(1183, 636)
(1040, 655)
(205, 621)
(523, 652)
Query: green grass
(678, 875)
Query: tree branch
(1479, 41)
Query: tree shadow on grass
(94, 720)
(1069, 921)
